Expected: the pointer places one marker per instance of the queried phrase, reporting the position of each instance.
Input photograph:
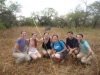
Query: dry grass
(45, 66)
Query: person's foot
(44, 56)
(62, 61)
(48, 57)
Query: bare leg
(49, 52)
(33, 56)
(38, 55)
(44, 52)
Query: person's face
(34, 36)
(23, 34)
(70, 36)
(54, 39)
(46, 35)
(79, 38)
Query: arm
(63, 45)
(65, 48)
(39, 41)
(53, 51)
(51, 39)
(27, 42)
(89, 52)
(16, 48)
(73, 49)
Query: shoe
(48, 57)
(44, 56)
(62, 61)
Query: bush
(2, 27)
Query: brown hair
(55, 35)
(45, 33)
(80, 35)
(70, 32)
(23, 31)
(34, 39)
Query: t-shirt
(83, 46)
(72, 43)
(21, 43)
(58, 46)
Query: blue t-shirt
(58, 46)
(21, 44)
(83, 46)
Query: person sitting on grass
(59, 49)
(32, 44)
(72, 44)
(46, 45)
(19, 49)
(86, 54)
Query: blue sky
(61, 6)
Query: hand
(70, 52)
(84, 58)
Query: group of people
(52, 48)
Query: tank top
(46, 45)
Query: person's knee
(76, 52)
(83, 61)
(22, 56)
(14, 55)
(33, 57)
(39, 56)
(53, 56)
(49, 52)
(78, 56)
(27, 58)
(44, 53)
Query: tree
(47, 15)
(76, 17)
(86, 12)
(7, 13)
(94, 11)
(14, 7)
(27, 22)
(2, 6)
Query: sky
(61, 6)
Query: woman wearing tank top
(32, 44)
(46, 45)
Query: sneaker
(62, 61)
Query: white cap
(57, 55)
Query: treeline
(79, 17)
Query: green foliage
(2, 27)
(8, 14)
(94, 10)
(79, 17)
(28, 22)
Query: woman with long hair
(32, 44)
